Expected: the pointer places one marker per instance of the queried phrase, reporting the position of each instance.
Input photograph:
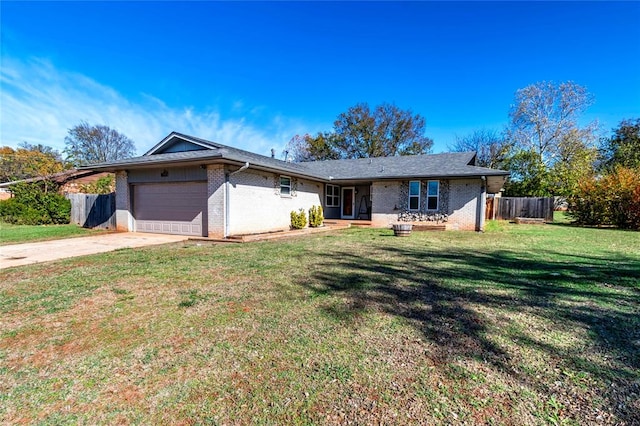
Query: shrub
(613, 199)
(103, 185)
(35, 204)
(13, 211)
(623, 185)
(316, 217)
(298, 219)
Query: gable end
(179, 143)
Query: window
(285, 186)
(414, 195)
(333, 196)
(432, 194)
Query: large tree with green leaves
(87, 144)
(544, 132)
(623, 147)
(361, 132)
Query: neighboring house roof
(60, 178)
(449, 165)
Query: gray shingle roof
(423, 166)
(418, 166)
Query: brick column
(216, 215)
(482, 207)
(124, 219)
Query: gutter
(226, 197)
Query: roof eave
(217, 159)
(409, 177)
(124, 165)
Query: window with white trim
(414, 195)
(333, 196)
(285, 186)
(433, 190)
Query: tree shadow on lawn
(435, 291)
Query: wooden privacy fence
(93, 210)
(508, 208)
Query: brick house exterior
(192, 186)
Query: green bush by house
(298, 219)
(316, 216)
(35, 203)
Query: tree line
(84, 144)
(39, 202)
(544, 146)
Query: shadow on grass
(434, 290)
(573, 224)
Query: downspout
(226, 197)
(483, 203)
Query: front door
(348, 201)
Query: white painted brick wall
(465, 197)
(124, 218)
(256, 207)
(215, 200)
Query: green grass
(561, 217)
(519, 325)
(16, 234)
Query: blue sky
(253, 75)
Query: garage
(171, 208)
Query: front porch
(348, 202)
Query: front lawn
(521, 325)
(16, 234)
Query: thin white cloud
(39, 103)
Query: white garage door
(171, 208)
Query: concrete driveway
(45, 251)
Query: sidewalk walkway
(45, 251)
